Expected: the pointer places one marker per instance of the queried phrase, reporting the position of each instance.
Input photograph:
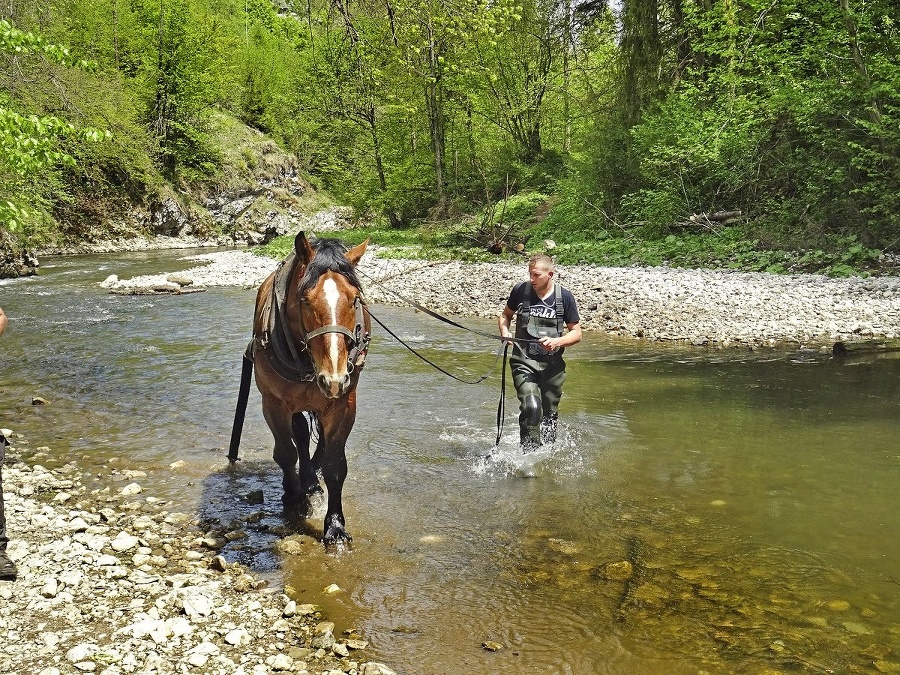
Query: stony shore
(113, 583)
(701, 307)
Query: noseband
(291, 359)
(358, 338)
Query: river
(703, 511)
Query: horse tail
(241, 408)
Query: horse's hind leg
(309, 481)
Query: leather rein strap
(432, 363)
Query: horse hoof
(337, 539)
(335, 533)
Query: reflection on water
(702, 511)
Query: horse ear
(355, 253)
(303, 249)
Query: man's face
(540, 278)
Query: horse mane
(329, 257)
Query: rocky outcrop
(256, 194)
(15, 261)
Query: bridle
(288, 354)
(358, 339)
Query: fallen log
(842, 350)
(720, 216)
(709, 221)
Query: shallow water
(752, 493)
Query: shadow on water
(240, 506)
(702, 511)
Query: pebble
(700, 307)
(108, 616)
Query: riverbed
(704, 510)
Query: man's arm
(571, 337)
(504, 322)
(2, 321)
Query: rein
(501, 406)
(440, 317)
(432, 363)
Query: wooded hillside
(625, 120)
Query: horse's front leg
(285, 453)
(332, 459)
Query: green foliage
(15, 41)
(628, 118)
(31, 144)
(787, 112)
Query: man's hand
(504, 321)
(549, 343)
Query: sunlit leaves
(15, 41)
(30, 143)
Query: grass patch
(735, 247)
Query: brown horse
(310, 337)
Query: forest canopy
(626, 120)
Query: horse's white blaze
(331, 297)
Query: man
(546, 315)
(8, 571)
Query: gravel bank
(700, 307)
(111, 582)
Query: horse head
(334, 326)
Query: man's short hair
(543, 260)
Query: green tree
(30, 144)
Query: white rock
(81, 652)
(123, 542)
(238, 637)
(198, 660)
(130, 490)
(207, 648)
(50, 587)
(192, 601)
(281, 662)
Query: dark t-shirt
(543, 309)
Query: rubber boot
(549, 425)
(8, 571)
